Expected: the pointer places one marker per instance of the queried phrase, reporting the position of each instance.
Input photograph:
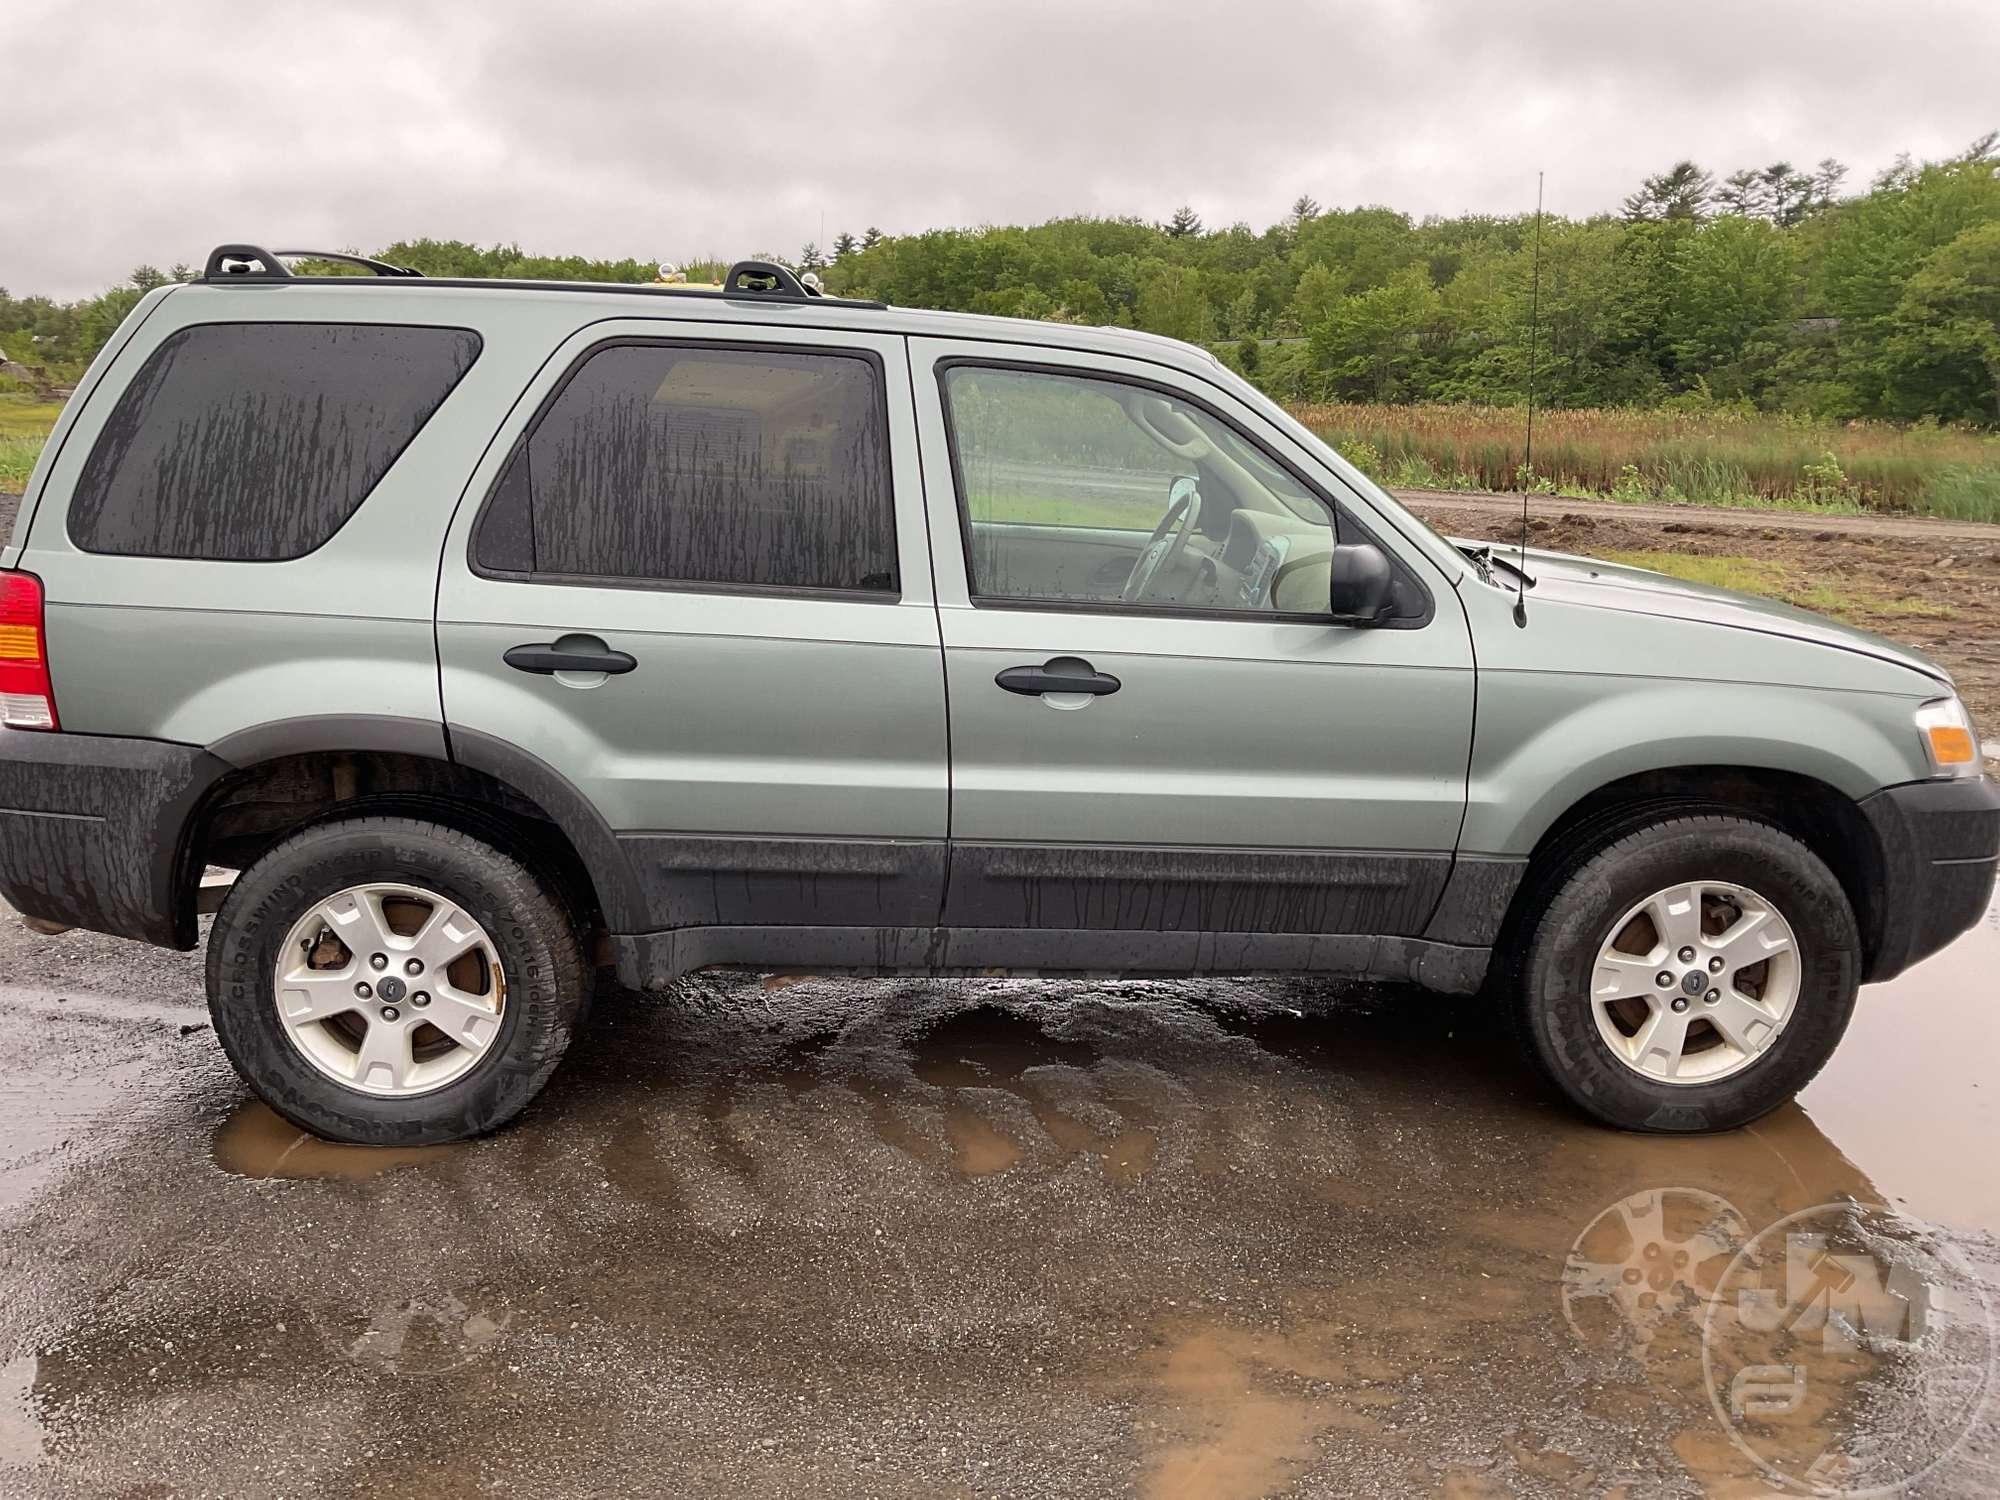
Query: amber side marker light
(1949, 737)
(27, 697)
(1950, 744)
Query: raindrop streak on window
(706, 466)
(255, 442)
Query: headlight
(1949, 738)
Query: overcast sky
(149, 132)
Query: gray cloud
(145, 133)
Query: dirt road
(980, 1238)
(1485, 508)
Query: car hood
(1608, 585)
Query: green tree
(1184, 223)
(1733, 284)
(1788, 194)
(1945, 338)
(1682, 191)
(1368, 246)
(1171, 302)
(1319, 292)
(1742, 193)
(1371, 346)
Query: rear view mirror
(1359, 585)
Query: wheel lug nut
(1715, 966)
(1712, 996)
(379, 961)
(1687, 955)
(364, 989)
(1679, 1005)
(420, 999)
(414, 966)
(1663, 979)
(390, 1013)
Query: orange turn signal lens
(20, 643)
(1951, 745)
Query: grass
(17, 462)
(1706, 458)
(24, 427)
(1024, 509)
(1855, 603)
(23, 416)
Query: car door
(690, 593)
(1157, 727)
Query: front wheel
(393, 982)
(1692, 975)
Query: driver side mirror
(1360, 583)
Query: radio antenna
(1528, 464)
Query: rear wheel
(1691, 975)
(391, 981)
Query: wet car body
(757, 628)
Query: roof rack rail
(243, 262)
(255, 263)
(763, 278)
(748, 280)
(379, 267)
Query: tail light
(27, 698)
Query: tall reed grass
(1707, 458)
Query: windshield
(1413, 524)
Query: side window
(254, 442)
(681, 463)
(1080, 489)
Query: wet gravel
(885, 1238)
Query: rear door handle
(1061, 674)
(549, 657)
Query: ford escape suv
(489, 632)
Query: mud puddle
(1039, 1238)
(1913, 1094)
(256, 1142)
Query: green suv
(488, 632)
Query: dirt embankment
(1934, 585)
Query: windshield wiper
(1527, 578)
(1486, 557)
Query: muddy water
(1913, 1094)
(996, 1238)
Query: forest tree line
(1770, 289)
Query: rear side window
(728, 467)
(254, 442)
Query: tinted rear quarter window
(695, 464)
(255, 442)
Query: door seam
(937, 619)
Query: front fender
(1546, 741)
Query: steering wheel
(1163, 549)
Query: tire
(530, 962)
(1559, 1019)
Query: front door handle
(1062, 674)
(549, 657)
